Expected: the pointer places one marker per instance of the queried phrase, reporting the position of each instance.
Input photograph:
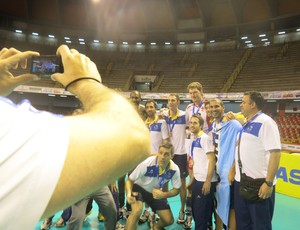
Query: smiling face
(196, 95)
(195, 125)
(216, 109)
(207, 109)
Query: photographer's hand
(11, 59)
(76, 65)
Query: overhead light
(96, 41)
(296, 100)
(82, 43)
(196, 42)
(248, 41)
(271, 100)
(181, 43)
(281, 32)
(125, 43)
(81, 39)
(18, 31)
(212, 41)
(62, 95)
(262, 35)
(68, 41)
(110, 42)
(167, 43)
(298, 30)
(153, 43)
(66, 38)
(51, 95)
(249, 45)
(245, 37)
(35, 34)
(238, 101)
(139, 43)
(51, 36)
(264, 39)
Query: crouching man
(145, 184)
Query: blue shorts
(144, 196)
(182, 162)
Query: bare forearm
(273, 164)
(171, 193)
(111, 136)
(211, 166)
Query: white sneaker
(120, 226)
(188, 223)
(144, 217)
(181, 218)
(46, 224)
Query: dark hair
(200, 119)
(256, 97)
(167, 145)
(136, 92)
(151, 101)
(218, 101)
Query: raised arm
(106, 141)
(11, 59)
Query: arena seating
(289, 128)
(268, 69)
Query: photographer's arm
(106, 141)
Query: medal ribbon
(161, 179)
(194, 143)
(197, 111)
(248, 123)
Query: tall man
(175, 119)
(204, 176)
(198, 106)
(259, 144)
(224, 135)
(145, 184)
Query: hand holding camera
(11, 59)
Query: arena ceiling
(150, 20)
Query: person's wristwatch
(269, 183)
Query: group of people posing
(206, 144)
(216, 150)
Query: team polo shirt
(33, 147)
(258, 138)
(199, 147)
(158, 132)
(192, 109)
(177, 126)
(147, 175)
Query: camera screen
(46, 65)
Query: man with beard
(224, 135)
